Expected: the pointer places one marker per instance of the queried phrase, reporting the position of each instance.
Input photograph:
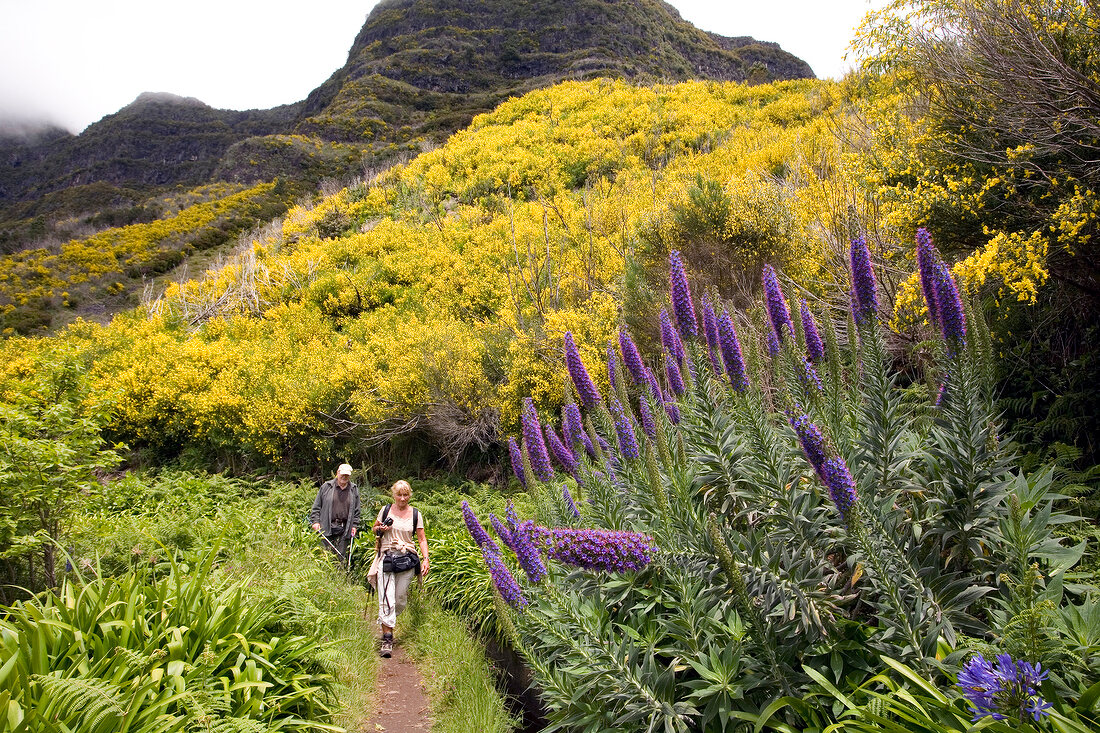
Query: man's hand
(316, 526)
(353, 529)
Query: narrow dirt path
(403, 703)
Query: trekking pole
(329, 543)
(351, 550)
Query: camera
(387, 523)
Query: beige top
(402, 535)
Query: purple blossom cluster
(632, 360)
(569, 503)
(831, 469)
(645, 415)
(586, 388)
(502, 578)
(952, 315)
(811, 439)
(502, 531)
(815, 349)
(517, 461)
(808, 375)
(527, 551)
(673, 412)
(654, 386)
(771, 342)
(670, 339)
(572, 429)
(927, 259)
(562, 454)
(674, 377)
(778, 313)
(864, 288)
(473, 526)
(710, 331)
(612, 366)
(599, 549)
(682, 307)
(1008, 689)
(533, 442)
(941, 294)
(731, 353)
(842, 487)
(624, 430)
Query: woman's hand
(424, 567)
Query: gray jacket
(321, 513)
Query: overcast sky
(74, 61)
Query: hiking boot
(387, 645)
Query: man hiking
(335, 513)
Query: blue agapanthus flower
(1004, 690)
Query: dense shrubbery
(816, 516)
(980, 123)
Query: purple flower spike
(632, 360)
(808, 375)
(569, 503)
(481, 537)
(601, 550)
(863, 282)
(533, 442)
(710, 331)
(612, 366)
(1007, 690)
(654, 386)
(815, 349)
(682, 306)
(927, 257)
(502, 578)
(669, 338)
(573, 430)
(502, 531)
(510, 516)
(586, 388)
(645, 414)
(772, 342)
(527, 551)
(675, 377)
(731, 352)
(673, 412)
(517, 461)
(624, 430)
(812, 441)
(952, 315)
(562, 454)
(838, 480)
(778, 312)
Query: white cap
(344, 470)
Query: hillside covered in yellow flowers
(414, 311)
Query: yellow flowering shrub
(439, 293)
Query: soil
(403, 703)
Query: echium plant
(764, 537)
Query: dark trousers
(337, 544)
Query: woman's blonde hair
(400, 484)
